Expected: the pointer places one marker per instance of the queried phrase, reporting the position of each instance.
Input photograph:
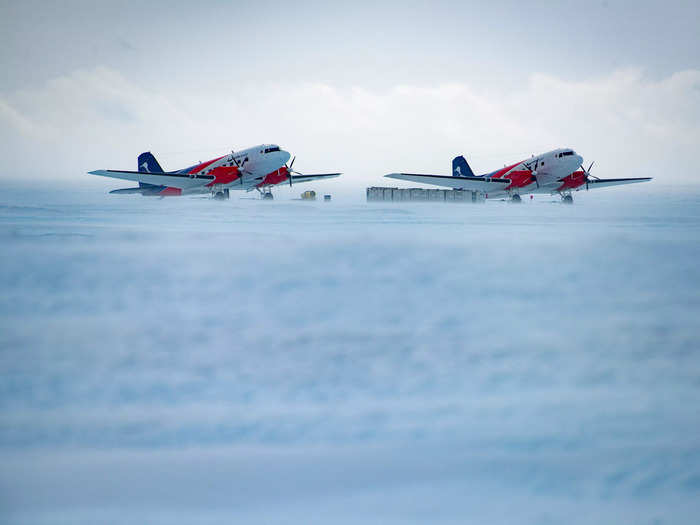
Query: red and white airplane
(558, 171)
(257, 168)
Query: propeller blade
(292, 163)
(533, 170)
(587, 172)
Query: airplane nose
(284, 156)
(579, 160)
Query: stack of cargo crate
(375, 193)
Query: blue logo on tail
(148, 163)
(460, 168)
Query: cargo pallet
(424, 195)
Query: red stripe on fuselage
(200, 167)
(224, 175)
(170, 192)
(519, 179)
(275, 177)
(576, 179)
(501, 172)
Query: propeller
(533, 172)
(241, 170)
(290, 170)
(587, 173)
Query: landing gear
(221, 195)
(567, 199)
(265, 193)
(515, 198)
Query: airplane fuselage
(259, 166)
(542, 173)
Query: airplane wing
(173, 180)
(306, 177)
(601, 183)
(485, 184)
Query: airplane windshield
(567, 153)
(270, 150)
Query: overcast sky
(367, 89)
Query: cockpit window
(567, 153)
(270, 150)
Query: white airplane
(558, 171)
(257, 168)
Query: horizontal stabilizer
(148, 189)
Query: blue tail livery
(460, 168)
(147, 163)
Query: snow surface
(190, 361)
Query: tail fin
(460, 168)
(148, 163)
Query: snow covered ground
(190, 361)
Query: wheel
(267, 196)
(516, 198)
(219, 196)
(567, 199)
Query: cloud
(97, 118)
